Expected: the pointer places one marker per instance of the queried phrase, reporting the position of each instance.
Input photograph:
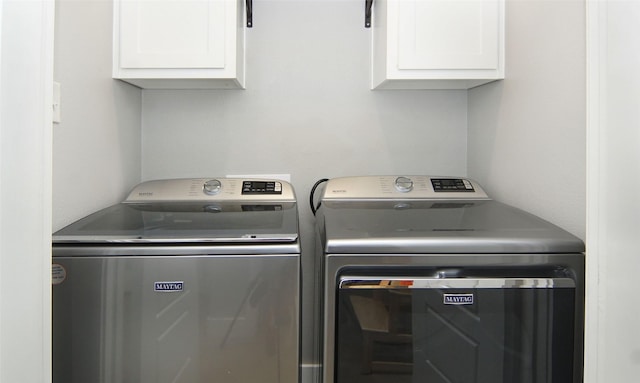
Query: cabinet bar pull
(367, 13)
(249, 13)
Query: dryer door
(471, 330)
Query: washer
(187, 280)
(427, 279)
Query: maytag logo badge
(458, 299)
(168, 287)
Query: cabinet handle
(249, 13)
(367, 13)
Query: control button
(404, 184)
(212, 187)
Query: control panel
(212, 189)
(451, 185)
(261, 187)
(402, 187)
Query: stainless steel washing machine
(427, 279)
(189, 280)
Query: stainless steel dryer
(189, 280)
(426, 279)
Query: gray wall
(96, 147)
(527, 134)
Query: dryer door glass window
(455, 330)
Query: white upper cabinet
(179, 44)
(437, 44)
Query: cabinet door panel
(172, 34)
(448, 34)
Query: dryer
(187, 280)
(427, 279)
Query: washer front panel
(221, 212)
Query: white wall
(307, 111)
(613, 235)
(26, 69)
(96, 147)
(527, 133)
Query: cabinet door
(172, 34)
(437, 44)
(448, 34)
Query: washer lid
(186, 223)
(194, 210)
(445, 226)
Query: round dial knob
(212, 187)
(404, 184)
